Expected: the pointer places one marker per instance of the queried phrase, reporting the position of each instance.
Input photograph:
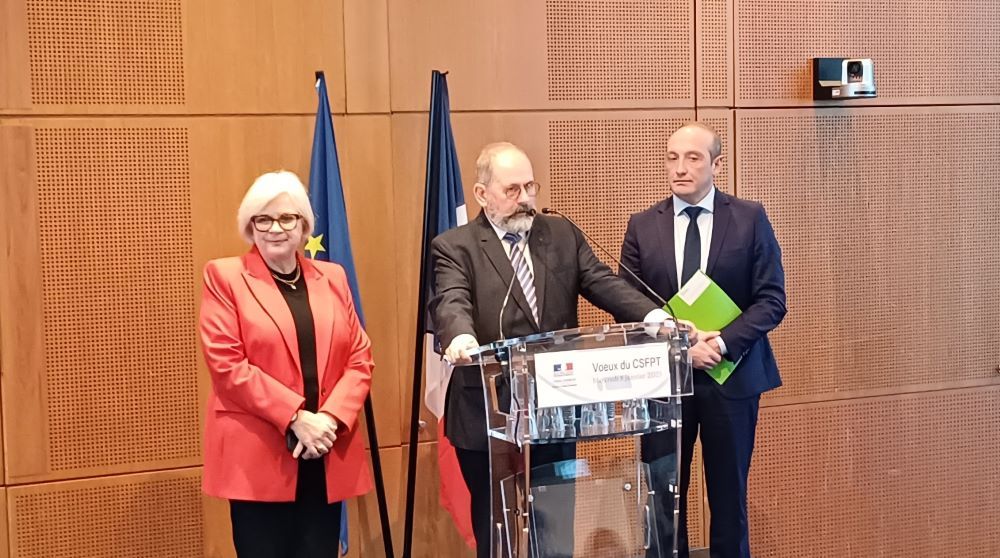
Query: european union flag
(330, 240)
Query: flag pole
(418, 369)
(383, 509)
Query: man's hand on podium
(457, 351)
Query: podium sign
(601, 375)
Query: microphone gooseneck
(663, 301)
(506, 299)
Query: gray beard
(517, 224)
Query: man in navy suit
(731, 240)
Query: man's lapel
(665, 226)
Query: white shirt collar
(707, 203)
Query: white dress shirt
(706, 220)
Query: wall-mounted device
(843, 78)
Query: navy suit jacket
(744, 259)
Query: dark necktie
(692, 245)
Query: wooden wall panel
(364, 143)
(543, 55)
(924, 53)
(171, 57)
(15, 88)
(4, 535)
(217, 528)
(260, 56)
(131, 516)
(885, 242)
(909, 475)
(20, 341)
(366, 56)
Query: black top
(297, 298)
(311, 484)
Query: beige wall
(129, 131)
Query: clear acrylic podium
(567, 414)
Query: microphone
(550, 211)
(506, 298)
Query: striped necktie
(522, 272)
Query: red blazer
(252, 353)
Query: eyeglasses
(514, 190)
(286, 221)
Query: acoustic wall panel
(924, 52)
(886, 218)
(132, 516)
(106, 52)
(714, 50)
(543, 55)
(617, 50)
(604, 457)
(909, 475)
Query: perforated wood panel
(604, 457)
(697, 508)
(714, 49)
(598, 531)
(106, 52)
(892, 476)
(134, 516)
(923, 51)
(722, 121)
(604, 170)
(116, 253)
(557, 54)
(887, 219)
(618, 49)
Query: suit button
(322, 391)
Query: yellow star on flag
(315, 244)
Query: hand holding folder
(702, 302)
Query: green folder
(704, 303)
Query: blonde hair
(263, 191)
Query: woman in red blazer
(290, 368)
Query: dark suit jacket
(471, 276)
(744, 259)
